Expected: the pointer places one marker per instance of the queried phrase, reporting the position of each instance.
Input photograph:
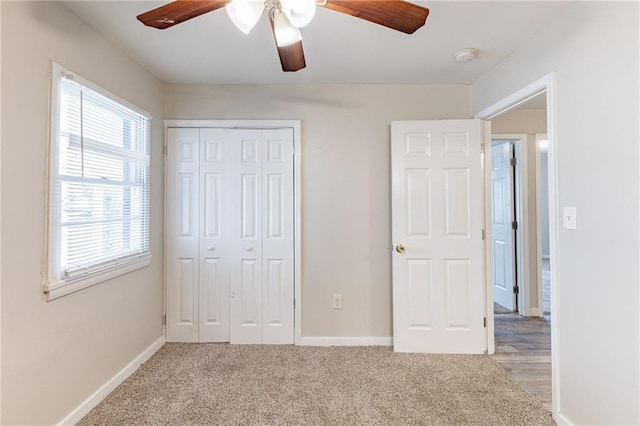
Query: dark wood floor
(523, 349)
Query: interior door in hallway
(503, 218)
(437, 219)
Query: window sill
(55, 290)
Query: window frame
(55, 284)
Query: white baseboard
(88, 404)
(346, 341)
(561, 420)
(534, 312)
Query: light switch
(569, 218)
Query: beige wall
(345, 183)
(55, 354)
(522, 120)
(529, 122)
(594, 49)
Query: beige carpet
(189, 384)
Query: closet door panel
(249, 213)
(182, 202)
(277, 237)
(214, 236)
(245, 224)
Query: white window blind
(99, 207)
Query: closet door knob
(249, 248)
(211, 248)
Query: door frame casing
(547, 85)
(538, 137)
(297, 198)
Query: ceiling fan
(288, 16)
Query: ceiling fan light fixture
(285, 33)
(299, 12)
(399, 15)
(245, 13)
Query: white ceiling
(338, 48)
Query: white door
(182, 234)
(230, 235)
(277, 237)
(262, 237)
(215, 221)
(246, 232)
(438, 258)
(502, 219)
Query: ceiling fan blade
(395, 14)
(178, 11)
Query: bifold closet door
(230, 235)
(261, 277)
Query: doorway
(521, 275)
(520, 211)
(522, 333)
(540, 92)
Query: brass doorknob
(400, 248)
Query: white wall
(593, 47)
(55, 354)
(345, 183)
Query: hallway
(523, 349)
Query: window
(99, 186)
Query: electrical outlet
(337, 301)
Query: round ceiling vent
(466, 55)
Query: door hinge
(165, 150)
(514, 225)
(484, 234)
(516, 290)
(485, 322)
(164, 320)
(514, 162)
